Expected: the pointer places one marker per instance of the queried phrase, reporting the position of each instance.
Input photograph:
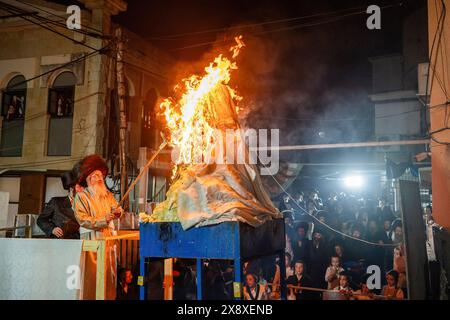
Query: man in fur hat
(95, 207)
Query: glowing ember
(189, 118)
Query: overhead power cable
(84, 57)
(286, 28)
(252, 25)
(312, 216)
(326, 225)
(60, 17)
(15, 10)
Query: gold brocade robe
(90, 211)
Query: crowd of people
(329, 245)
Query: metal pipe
(370, 144)
(141, 173)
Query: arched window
(13, 112)
(61, 107)
(13, 102)
(61, 95)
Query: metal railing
(27, 230)
(27, 227)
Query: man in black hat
(318, 257)
(301, 243)
(58, 219)
(384, 211)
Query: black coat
(385, 214)
(319, 261)
(301, 249)
(375, 254)
(131, 294)
(58, 213)
(305, 281)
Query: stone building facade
(49, 122)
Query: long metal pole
(343, 145)
(141, 173)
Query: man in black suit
(58, 219)
(125, 289)
(299, 279)
(319, 255)
(300, 242)
(384, 211)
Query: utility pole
(121, 90)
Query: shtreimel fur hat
(88, 165)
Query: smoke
(287, 83)
(296, 82)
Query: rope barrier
(347, 293)
(312, 216)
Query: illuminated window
(13, 112)
(61, 95)
(61, 107)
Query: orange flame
(188, 119)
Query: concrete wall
(415, 46)
(397, 113)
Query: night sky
(303, 76)
(302, 79)
(168, 23)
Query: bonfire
(206, 187)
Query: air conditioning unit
(425, 177)
(422, 78)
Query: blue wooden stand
(229, 240)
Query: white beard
(100, 189)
